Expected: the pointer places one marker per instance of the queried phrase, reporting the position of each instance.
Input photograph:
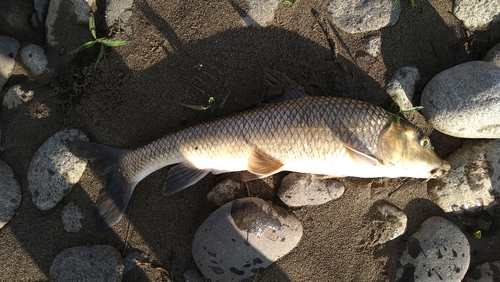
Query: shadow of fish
(326, 136)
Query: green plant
(290, 3)
(102, 40)
(211, 100)
(413, 5)
(402, 111)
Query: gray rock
(41, 9)
(132, 260)
(299, 189)
(54, 170)
(361, 16)
(261, 12)
(493, 55)
(439, 251)
(374, 44)
(476, 14)
(71, 217)
(33, 57)
(485, 272)
(401, 87)
(472, 183)
(242, 237)
(60, 27)
(118, 11)
(391, 223)
(224, 192)
(87, 263)
(192, 275)
(463, 101)
(16, 95)
(8, 51)
(10, 194)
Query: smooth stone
(242, 237)
(401, 87)
(41, 9)
(10, 194)
(261, 12)
(493, 55)
(87, 263)
(132, 260)
(485, 272)
(224, 192)
(472, 183)
(17, 95)
(8, 51)
(300, 189)
(373, 46)
(118, 11)
(33, 57)
(71, 217)
(192, 275)
(438, 251)
(361, 16)
(463, 101)
(61, 25)
(54, 170)
(477, 14)
(390, 223)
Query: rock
(33, 57)
(299, 189)
(225, 192)
(493, 55)
(87, 263)
(485, 272)
(8, 51)
(476, 14)
(71, 217)
(463, 101)
(374, 43)
(10, 194)
(132, 260)
(361, 16)
(401, 87)
(439, 251)
(472, 183)
(261, 12)
(390, 223)
(192, 275)
(242, 237)
(119, 11)
(15, 16)
(54, 170)
(16, 95)
(67, 23)
(41, 9)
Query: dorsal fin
(262, 164)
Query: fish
(325, 136)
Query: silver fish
(326, 136)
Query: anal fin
(182, 176)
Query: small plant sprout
(290, 3)
(402, 111)
(478, 234)
(210, 102)
(102, 40)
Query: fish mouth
(438, 172)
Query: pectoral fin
(361, 157)
(262, 164)
(180, 177)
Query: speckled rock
(361, 16)
(493, 55)
(476, 14)
(224, 192)
(401, 87)
(10, 194)
(373, 46)
(33, 57)
(438, 251)
(119, 11)
(485, 272)
(8, 51)
(299, 189)
(71, 217)
(261, 12)
(463, 101)
(17, 95)
(54, 170)
(390, 223)
(473, 181)
(242, 237)
(131, 261)
(87, 263)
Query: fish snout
(438, 172)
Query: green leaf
(99, 57)
(92, 25)
(112, 42)
(83, 47)
(197, 107)
(478, 234)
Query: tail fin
(114, 198)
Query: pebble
(71, 217)
(87, 263)
(8, 51)
(54, 170)
(17, 95)
(438, 251)
(374, 44)
(401, 87)
(390, 223)
(131, 261)
(10, 194)
(463, 101)
(192, 275)
(300, 189)
(261, 12)
(485, 272)
(224, 192)
(361, 16)
(57, 33)
(242, 237)
(472, 183)
(476, 14)
(33, 57)
(119, 11)
(493, 55)
(40, 10)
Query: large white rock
(54, 170)
(242, 237)
(472, 183)
(10, 194)
(464, 101)
(477, 14)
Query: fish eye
(425, 142)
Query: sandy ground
(132, 98)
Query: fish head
(402, 145)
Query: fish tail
(115, 196)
